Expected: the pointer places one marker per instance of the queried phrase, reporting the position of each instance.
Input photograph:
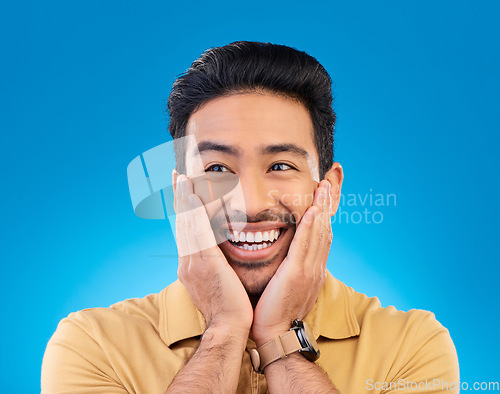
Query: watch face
(306, 338)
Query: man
(254, 306)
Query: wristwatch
(299, 339)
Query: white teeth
(245, 246)
(265, 236)
(259, 246)
(257, 237)
(264, 245)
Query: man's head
(261, 113)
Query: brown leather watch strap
(276, 348)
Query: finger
(182, 244)
(326, 234)
(326, 227)
(183, 225)
(180, 203)
(320, 234)
(184, 215)
(317, 231)
(301, 240)
(202, 229)
(192, 242)
(324, 252)
(184, 188)
(304, 247)
(324, 258)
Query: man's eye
(281, 167)
(217, 168)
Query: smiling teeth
(236, 236)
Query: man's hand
(213, 285)
(217, 292)
(294, 288)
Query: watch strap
(277, 348)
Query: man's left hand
(293, 290)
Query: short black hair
(250, 66)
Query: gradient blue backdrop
(83, 90)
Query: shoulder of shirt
(412, 343)
(368, 310)
(391, 327)
(137, 312)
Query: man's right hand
(213, 285)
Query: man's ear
(335, 176)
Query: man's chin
(255, 275)
(255, 283)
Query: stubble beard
(256, 276)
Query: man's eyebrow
(278, 148)
(205, 146)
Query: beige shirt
(139, 345)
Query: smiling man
(254, 309)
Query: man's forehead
(259, 114)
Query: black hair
(251, 66)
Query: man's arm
(217, 292)
(215, 365)
(295, 374)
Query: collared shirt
(139, 345)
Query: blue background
(83, 90)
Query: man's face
(267, 142)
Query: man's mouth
(249, 240)
(249, 247)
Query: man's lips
(245, 250)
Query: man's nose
(252, 196)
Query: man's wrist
(224, 333)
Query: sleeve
(430, 364)
(75, 363)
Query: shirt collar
(179, 318)
(332, 316)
